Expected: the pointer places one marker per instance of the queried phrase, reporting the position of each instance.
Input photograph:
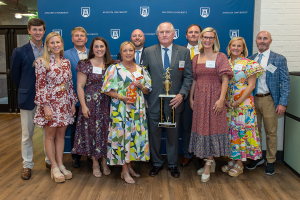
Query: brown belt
(262, 95)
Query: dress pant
(73, 129)
(27, 134)
(186, 125)
(266, 111)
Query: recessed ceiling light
(18, 15)
(2, 4)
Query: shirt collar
(141, 49)
(169, 47)
(265, 53)
(34, 46)
(189, 46)
(80, 52)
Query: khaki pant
(265, 110)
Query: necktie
(256, 85)
(192, 52)
(137, 58)
(166, 59)
(260, 57)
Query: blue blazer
(22, 74)
(279, 81)
(72, 55)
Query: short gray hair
(172, 27)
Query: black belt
(262, 95)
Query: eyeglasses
(208, 38)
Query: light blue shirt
(37, 53)
(168, 52)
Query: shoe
(206, 177)
(234, 172)
(174, 172)
(48, 166)
(185, 162)
(96, 172)
(200, 171)
(254, 163)
(126, 176)
(76, 163)
(154, 171)
(269, 169)
(133, 173)
(57, 176)
(67, 173)
(26, 174)
(226, 169)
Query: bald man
(138, 39)
(271, 92)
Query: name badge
(210, 64)
(97, 70)
(181, 65)
(271, 68)
(238, 67)
(137, 75)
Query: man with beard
(271, 96)
(138, 39)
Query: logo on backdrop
(59, 31)
(115, 33)
(85, 11)
(176, 34)
(144, 11)
(234, 33)
(204, 12)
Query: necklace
(128, 67)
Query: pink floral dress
(50, 93)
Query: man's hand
(176, 101)
(280, 109)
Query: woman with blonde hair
(55, 99)
(241, 115)
(212, 72)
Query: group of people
(219, 104)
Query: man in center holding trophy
(170, 68)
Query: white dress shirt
(262, 87)
(139, 55)
(196, 49)
(82, 55)
(168, 52)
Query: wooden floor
(252, 184)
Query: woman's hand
(235, 104)
(218, 106)
(191, 103)
(138, 84)
(125, 99)
(228, 104)
(48, 113)
(86, 112)
(73, 110)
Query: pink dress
(209, 135)
(49, 92)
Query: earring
(62, 48)
(48, 49)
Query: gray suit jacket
(181, 80)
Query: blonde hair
(125, 43)
(216, 46)
(81, 29)
(245, 51)
(46, 53)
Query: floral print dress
(245, 142)
(128, 131)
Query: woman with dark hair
(93, 117)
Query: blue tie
(166, 59)
(137, 59)
(256, 85)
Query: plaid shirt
(36, 51)
(279, 81)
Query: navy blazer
(72, 55)
(22, 74)
(279, 81)
(142, 57)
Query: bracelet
(119, 96)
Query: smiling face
(36, 32)
(165, 34)
(55, 45)
(127, 52)
(99, 48)
(263, 41)
(138, 38)
(193, 34)
(79, 39)
(236, 48)
(208, 40)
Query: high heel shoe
(97, 173)
(234, 172)
(67, 173)
(123, 174)
(133, 173)
(57, 176)
(200, 171)
(226, 169)
(206, 177)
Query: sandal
(133, 173)
(126, 175)
(57, 176)
(96, 171)
(228, 167)
(206, 177)
(67, 173)
(234, 172)
(201, 170)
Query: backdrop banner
(114, 20)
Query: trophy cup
(167, 119)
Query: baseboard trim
(294, 171)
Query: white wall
(282, 19)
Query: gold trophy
(171, 116)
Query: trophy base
(167, 125)
(165, 95)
